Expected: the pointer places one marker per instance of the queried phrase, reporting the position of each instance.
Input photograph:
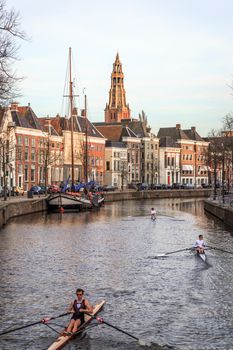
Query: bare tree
(214, 155)
(228, 144)
(9, 32)
(49, 158)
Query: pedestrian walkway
(20, 198)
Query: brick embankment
(221, 211)
(18, 206)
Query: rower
(153, 214)
(78, 307)
(200, 245)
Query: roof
(167, 141)
(80, 125)
(193, 135)
(115, 131)
(139, 128)
(26, 118)
(115, 144)
(48, 127)
(176, 133)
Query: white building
(116, 169)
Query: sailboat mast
(86, 141)
(71, 121)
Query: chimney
(178, 126)
(14, 106)
(193, 128)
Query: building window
(20, 169)
(19, 153)
(33, 142)
(26, 141)
(33, 155)
(107, 165)
(19, 140)
(26, 173)
(26, 154)
(33, 173)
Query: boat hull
(202, 256)
(67, 201)
(64, 339)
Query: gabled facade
(26, 149)
(116, 171)
(7, 151)
(32, 148)
(193, 162)
(149, 149)
(119, 132)
(87, 142)
(169, 161)
(117, 108)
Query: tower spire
(117, 109)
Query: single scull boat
(62, 340)
(202, 256)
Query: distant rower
(200, 245)
(153, 214)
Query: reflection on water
(178, 301)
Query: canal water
(177, 302)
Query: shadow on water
(44, 258)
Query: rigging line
(63, 108)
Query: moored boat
(64, 200)
(62, 340)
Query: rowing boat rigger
(62, 340)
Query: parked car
(36, 190)
(44, 188)
(166, 187)
(155, 186)
(176, 186)
(205, 185)
(109, 188)
(188, 186)
(141, 186)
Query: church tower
(117, 109)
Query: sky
(176, 57)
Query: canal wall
(18, 206)
(221, 211)
(157, 194)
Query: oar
(44, 320)
(173, 252)
(221, 250)
(101, 320)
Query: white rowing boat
(202, 256)
(62, 340)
